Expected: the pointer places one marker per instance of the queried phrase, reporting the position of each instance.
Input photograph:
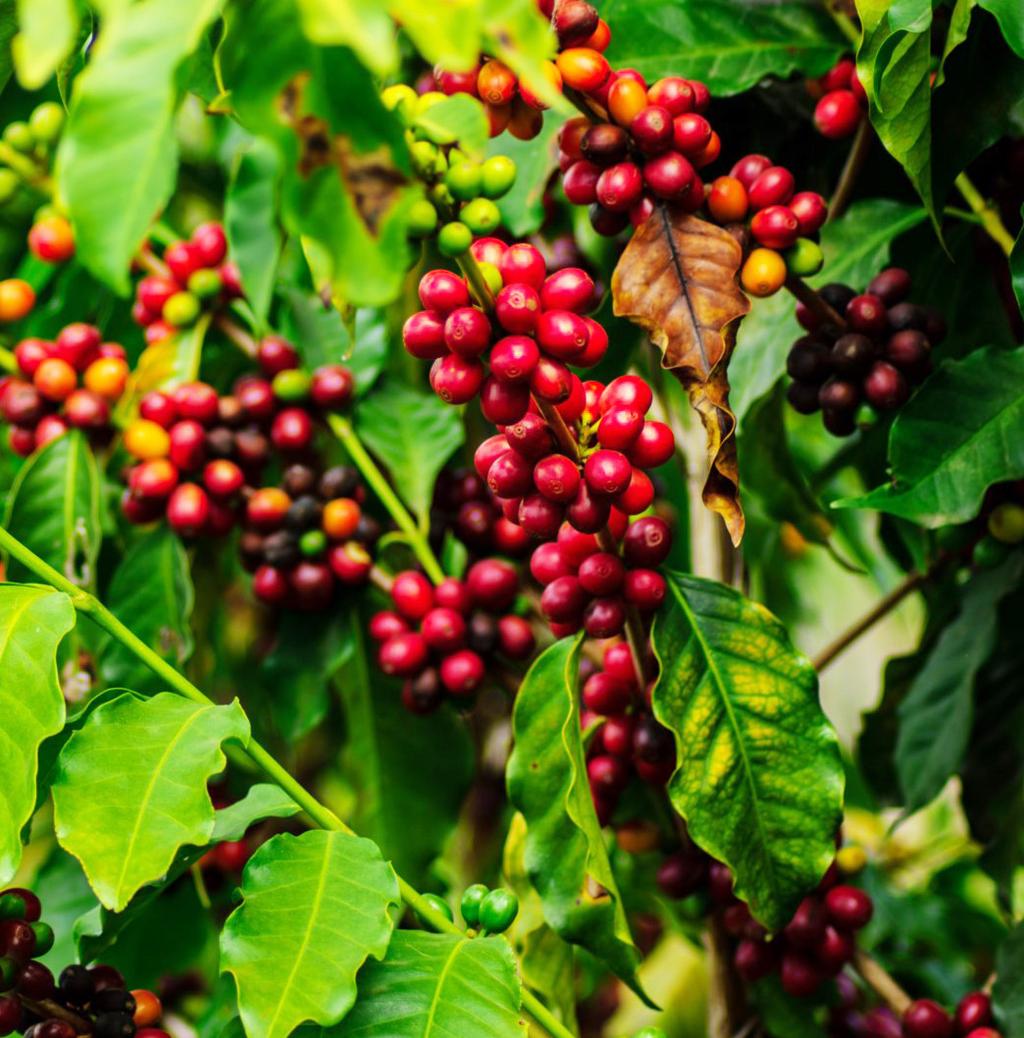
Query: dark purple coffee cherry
(852, 355)
(839, 395)
(885, 388)
(808, 360)
(803, 397)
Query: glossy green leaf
(446, 34)
(117, 161)
(33, 620)
(956, 437)
(61, 886)
(784, 1014)
(759, 778)
(728, 44)
(856, 248)
(771, 473)
(8, 28)
(384, 753)
(460, 119)
(1008, 991)
(522, 209)
(363, 25)
(54, 509)
(1010, 16)
(434, 985)
(131, 788)
(565, 855)
(416, 446)
(935, 717)
(47, 30)
(250, 208)
(263, 800)
(894, 64)
(151, 591)
(300, 965)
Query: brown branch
(728, 1012)
(869, 619)
(881, 982)
(851, 170)
(54, 1010)
(814, 302)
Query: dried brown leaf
(677, 279)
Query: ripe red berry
(158, 407)
(552, 381)
(49, 428)
(85, 409)
(885, 388)
(669, 176)
(597, 345)
(510, 475)
(619, 187)
(503, 402)
(807, 927)
(601, 574)
(188, 508)
(275, 355)
(647, 542)
(834, 950)
(30, 353)
(607, 774)
(384, 624)
(653, 447)
(580, 182)
(539, 515)
(673, 93)
(683, 873)
(638, 496)
(222, 478)
(209, 244)
(773, 186)
(488, 452)
(849, 908)
(926, 1019)
(332, 386)
(455, 379)
(973, 1011)
(350, 563)
(562, 334)
(799, 975)
(588, 512)
(571, 408)
(35, 981)
(443, 629)
(556, 477)
(775, 227)
(153, 291)
(548, 563)
(563, 600)
(749, 168)
(605, 695)
(652, 129)
(423, 335)
(867, 313)
(570, 288)
(517, 307)
(645, 588)
(78, 344)
(910, 351)
(292, 429)
(492, 585)
(403, 654)
(196, 400)
(837, 114)
(626, 391)
(443, 291)
(891, 285)
(515, 638)
(467, 331)
(607, 472)
(412, 594)
(514, 358)
(523, 264)
(690, 133)
(810, 210)
(462, 672)
(754, 959)
(530, 436)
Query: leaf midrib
(442, 977)
(712, 664)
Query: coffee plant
(513, 519)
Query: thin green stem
(477, 282)
(988, 215)
(846, 24)
(342, 428)
(25, 168)
(324, 817)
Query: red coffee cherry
(403, 654)
(455, 379)
(652, 129)
(503, 402)
(332, 387)
(423, 335)
(462, 672)
(523, 264)
(556, 477)
(775, 227)
(492, 585)
(563, 600)
(292, 429)
(568, 289)
(749, 168)
(275, 355)
(510, 475)
(467, 331)
(605, 694)
(188, 508)
(530, 436)
(552, 380)
(773, 186)
(849, 908)
(562, 334)
(669, 176)
(799, 976)
(412, 594)
(645, 588)
(810, 210)
(885, 388)
(444, 629)
(607, 472)
(386, 623)
(588, 512)
(807, 927)
(837, 114)
(443, 291)
(927, 1019)
(867, 313)
(514, 358)
(517, 307)
(754, 959)
(196, 400)
(626, 391)
(619, 187)
(653, 447)
(580, 182)
(548, 563)
(647, 542)
(601, 574)
(973, 1011)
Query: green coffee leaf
(54, 509)
(433, 985)
(33, 620)
(383, 756)
(1010, 16)
(728, 44)
(416, 448)
(957, 436)
(300, 965)
(117, 161)
(936, 716)
(894, 64)
(130, 788)
(8, 28)
(1008, 991)
(264, 800)
(522, 209)
(457, 119)
(61, 886)
(151, 591)
(250, 208)
(565, 854)
(363, 25)
(759, 777)
(856, 248)
(1017, 268)
(47, 31)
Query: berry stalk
(342, 428)
(851, 170)
(814, 302)
(322, 815)
(990, 219)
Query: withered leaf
(677, 279)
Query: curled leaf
(677, 279)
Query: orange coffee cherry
(727, 200)
(145, 440)
(107, 377)
(626, 99)
(17, 298)
(583, 68)
(764, 272)
(56, 379)
(341, 517)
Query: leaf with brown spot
(677, 279)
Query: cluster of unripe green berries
(34, 138)
(37, 1005)
(879, 351)
(998, 530)
(199, 276)
(488, 911)
(68, 383)
(460, 190)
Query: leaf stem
(342, 428)
(814, 301)
(987, 213)
(851, 170)
(322, 815)
(869, 619)
(846, 24)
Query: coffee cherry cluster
(972, 1018)
(515, 105)
(308, 536)
(650, 149)
(538, 327)
(220, 444)
(781, 221)
(881, 352)
(464, 504)
(69, 383)
(997, 531)
(628, 740)
(489, 911)
(35, 139)
(442, 639)
(842, 102)
(37, 1005)
(199, 276)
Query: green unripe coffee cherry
(181, 309)
(481, 216)
(454, 239)
(9, 181)
(472, 899)
(650, 1032)
(313, 543)
(205, 283)
(46, 122)
(495, 282)
(440, 195)
(498, 910)
(989, 553)
(456, 156)
(422, 218)
(401, 99)
(498, 174)
(438, 904)
(427, 159)
(44, 938)
(804, 258)
(954, 538)
(292, 385)
(8, 971)
(1006, 523)
(19, 136)
(463, 180)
